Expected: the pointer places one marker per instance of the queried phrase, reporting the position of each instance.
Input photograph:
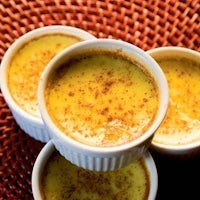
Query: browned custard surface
(62, 180)
(27, 65)
(102, 98)
(182, 122)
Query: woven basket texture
(147, 24)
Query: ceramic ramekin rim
(101, 43)
(49, 148)
(173, 49)
(176, 149)
(15, 47)
(153, 173)
(169, 148)
(38, 168)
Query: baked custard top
(27, 65)
(102, 99)
(63, 180)
(182, 122)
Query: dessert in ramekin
(21, 67)
(54, 177)
(102, 100)
(179, 133)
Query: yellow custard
(62, 180)
(102, 98)
(27, 65)
(182, 122)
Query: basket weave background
(147, 24)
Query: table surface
(146, 24)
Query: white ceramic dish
(103, 158)
(49, 148)
(177, 145)
(32, 125)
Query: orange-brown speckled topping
(102, 99)
(182, 123)
(27, 65)
(63, 180)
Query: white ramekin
(49, 148)
(180, 150)
(32, 125)
(103, 158)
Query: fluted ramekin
(95, 157)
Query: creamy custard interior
(62, 180)
(27, 65)
(182, 122)
(102, 98)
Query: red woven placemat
(147, 24)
